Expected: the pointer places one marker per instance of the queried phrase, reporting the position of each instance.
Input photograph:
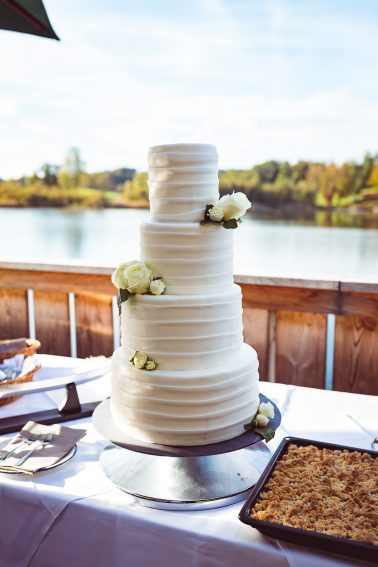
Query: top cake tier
(182, 179)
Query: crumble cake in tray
(319, 494)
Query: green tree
(373, 177)
(327, 184)
(49, 173)
(137, 188)
(366, 169)
(268, 171)
(299, 171)
(309, 187)
(344, 182)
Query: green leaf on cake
(207, 211)
(123, 295)
(267, 432)
(131, 358)
(260, 422)
(231, 223)
(206, 219)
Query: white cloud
(257, 83)
(8, 107)
(214, 7)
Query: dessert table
(74, 515)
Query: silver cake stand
(182, 478)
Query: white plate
(68, 456)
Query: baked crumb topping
(329, 491)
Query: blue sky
(276, 79)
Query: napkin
(64, 438)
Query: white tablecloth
(74, 515)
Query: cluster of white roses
(141, 361)
(228, 208)
(264, 413)
(136, 277)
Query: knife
(53, 383)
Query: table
(73, 515)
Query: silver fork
(33, 437)
(45, 440)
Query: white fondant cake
(205, 387)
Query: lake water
(263, 246)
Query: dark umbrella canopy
(26, 16)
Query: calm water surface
(263, 246)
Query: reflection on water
(74, 234)
(299, 245)
(336, 219)
(340, 219)
(69, 227)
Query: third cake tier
(181, 332)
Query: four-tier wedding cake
(183, 375)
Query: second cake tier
(190, 257)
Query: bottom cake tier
(187, 407)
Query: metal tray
(299, 536)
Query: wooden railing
(316, 333)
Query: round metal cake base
(182, 478)
(185, 483)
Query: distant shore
(304, 187)
(370, 207)
(119, 202)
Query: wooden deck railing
(316, 333)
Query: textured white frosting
(183, 179)
(202, 149)
(192, 407)
(183, 332)
(205, 387)
(191, 258)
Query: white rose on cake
(234, 206)
(216, 213)
(261, 420)
(157, 287)
(139, 359)
(134, 276)
(138, 278)
(118, 276)
(267, 409)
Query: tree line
(311, 183)
(272, 183)
(279, 183)
(67, 185)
